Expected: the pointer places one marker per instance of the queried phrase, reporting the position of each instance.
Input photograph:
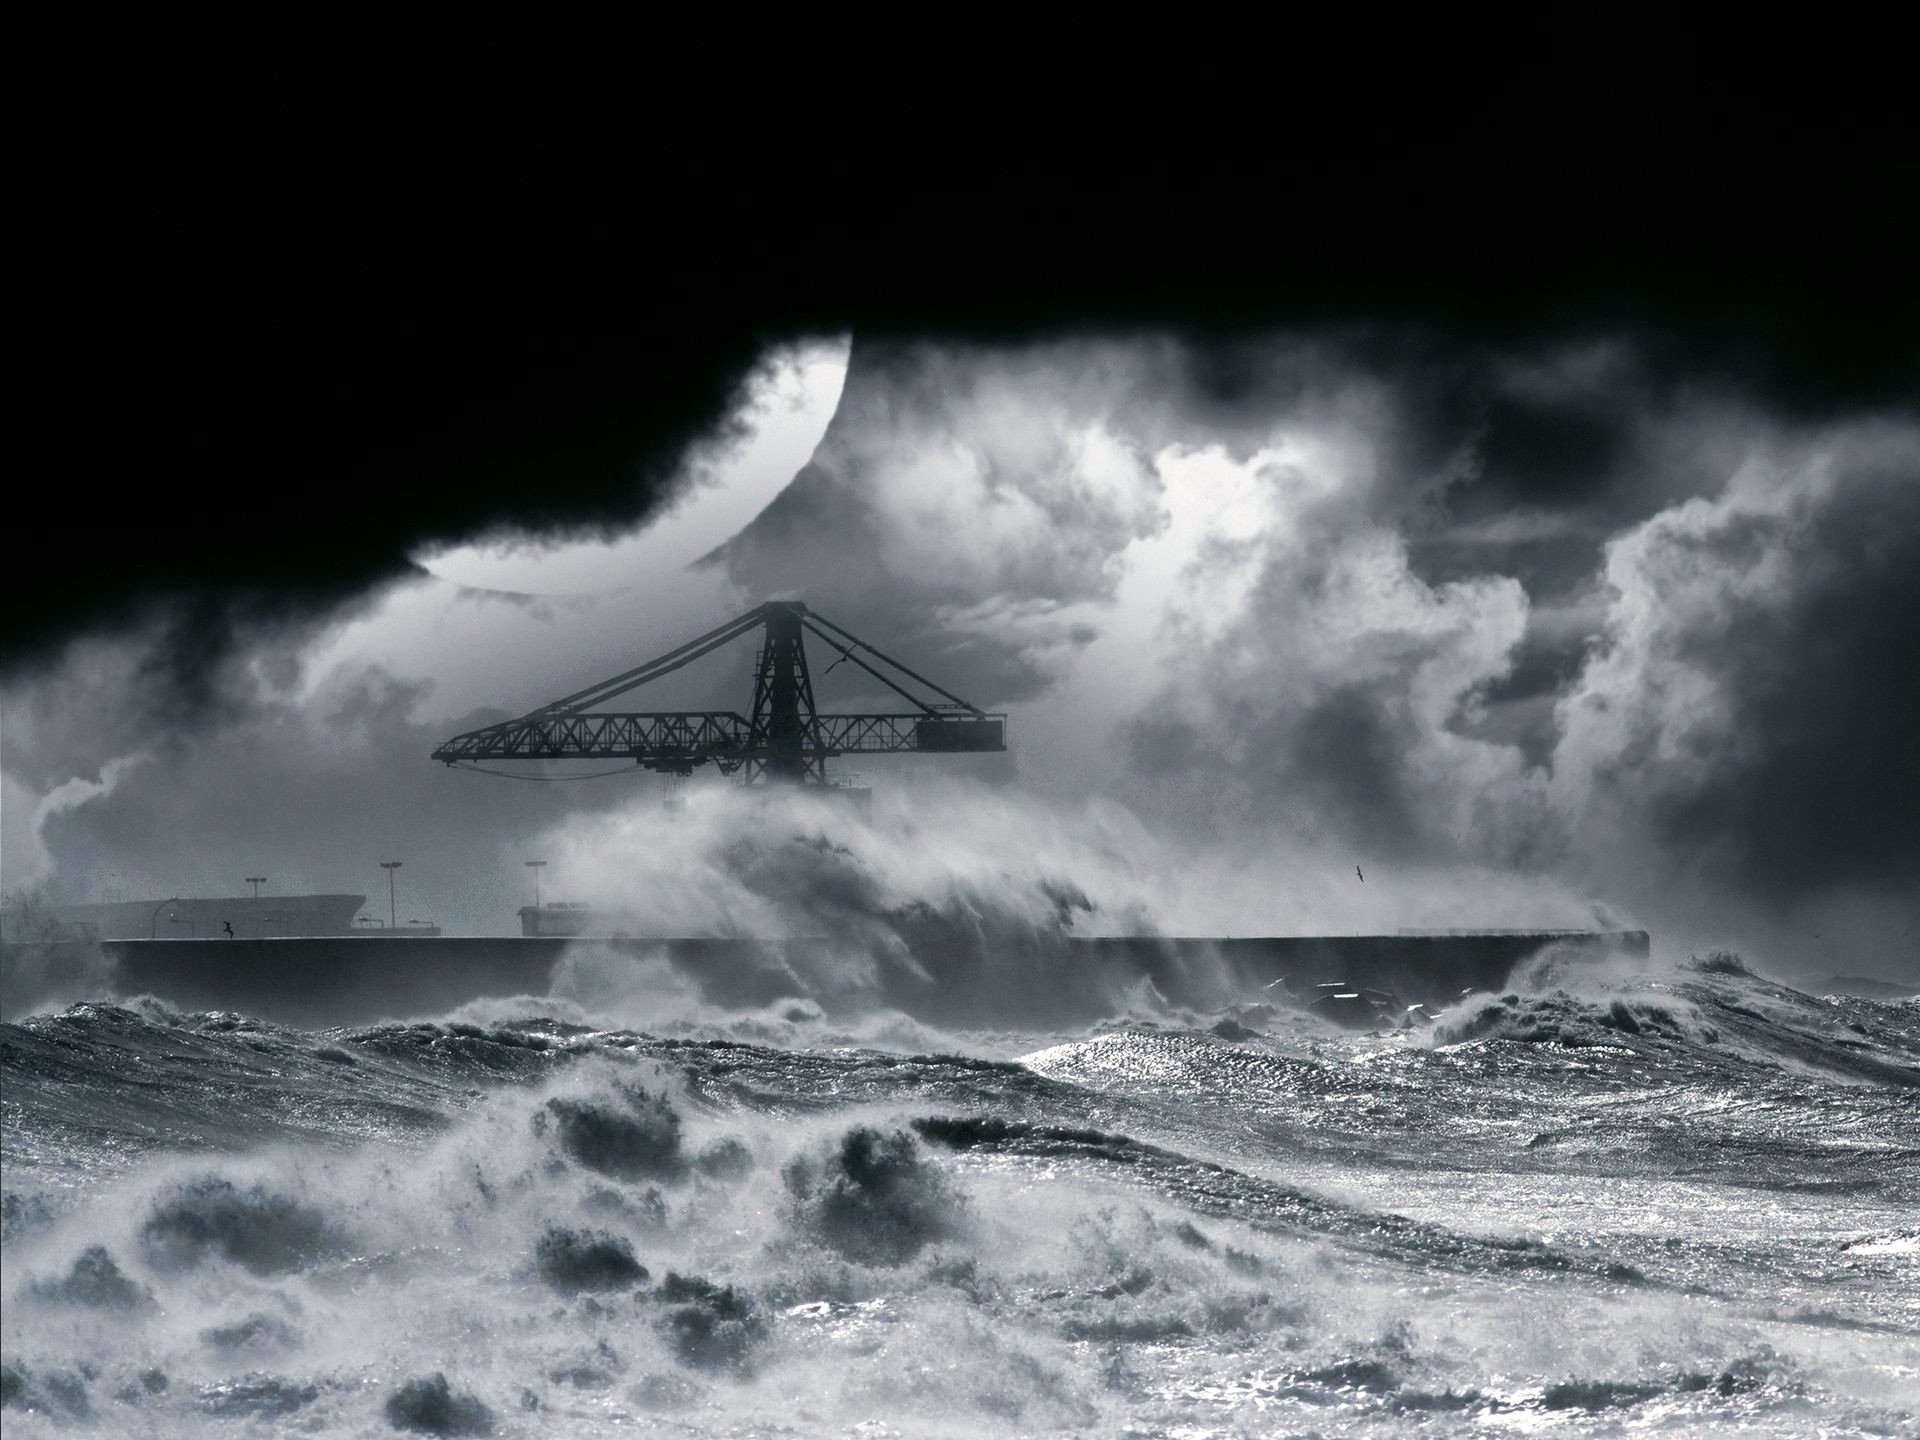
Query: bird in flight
(1356, 870)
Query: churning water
(1678, 1206)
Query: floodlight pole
(390, 866)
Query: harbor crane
(782, 738)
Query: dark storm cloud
(1755, 686)
(269, 466)
(1832, 695)
(286, 369)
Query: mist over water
(951, 903)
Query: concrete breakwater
(348, 980)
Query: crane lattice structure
(784, 738)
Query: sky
(1526, 519)
(1254, 643)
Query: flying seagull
(1356, 870)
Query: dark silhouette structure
(352, 979)
(783, 737)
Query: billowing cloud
(1384, 613)
(1744, 722)
(1291, 605)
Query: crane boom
(783, 737)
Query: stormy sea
(1671, 1200)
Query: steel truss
(784, 738)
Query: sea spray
(1135, 1225)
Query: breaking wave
(1679, 1204)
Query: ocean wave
(574, 1230)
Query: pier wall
(356, 979)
